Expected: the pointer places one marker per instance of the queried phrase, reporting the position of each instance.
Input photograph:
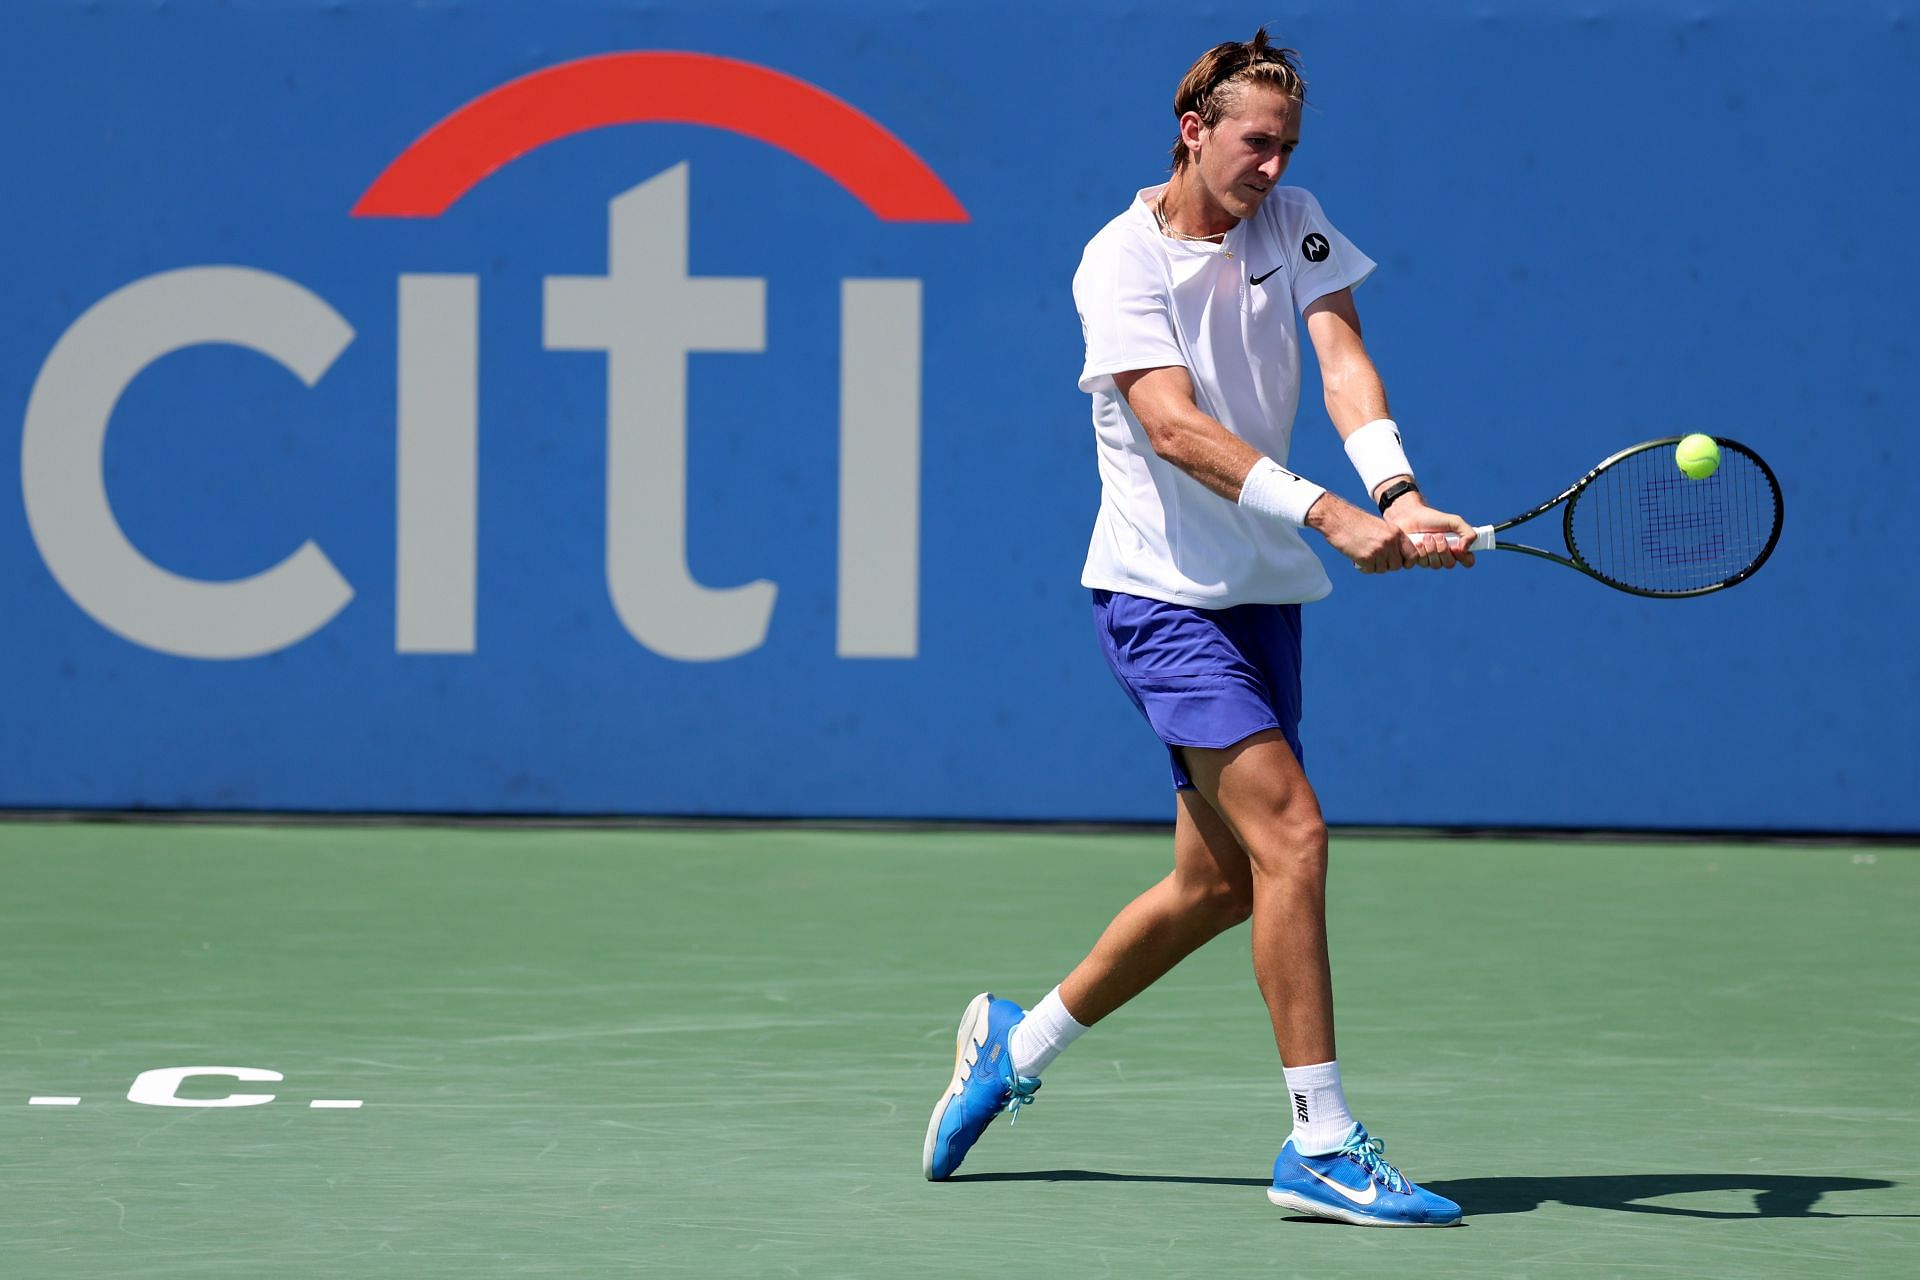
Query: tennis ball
(1698, 456)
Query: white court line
(53, 1102)
(335, 1104)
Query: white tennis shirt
(1148, 301)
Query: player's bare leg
(1209, 890)
(1329, 1166)
(1258, 787)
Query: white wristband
(1376, 454)
(1272, 490)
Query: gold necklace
(1167, 229)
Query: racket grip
(1483, 539)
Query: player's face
(1242, 157)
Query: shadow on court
(1092, 1175)
(1774, 1195)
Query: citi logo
(642, 319)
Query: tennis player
(1198, 569)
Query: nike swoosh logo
(1263, 279)
(1348, 1192)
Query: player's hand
(1414, 517)
(1371, 543)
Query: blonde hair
(1213, 85)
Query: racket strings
(1644, 525)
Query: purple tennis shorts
(1204, 677)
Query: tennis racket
(1639, 524)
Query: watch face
(1396, 491)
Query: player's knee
(1293, 845)
(1222, 900)
(1233, 904)
(1230, 902)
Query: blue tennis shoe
(984, 1084)
(1356, 1184)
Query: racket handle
(1483, 539)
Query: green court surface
(712, 1052)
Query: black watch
(1396, 491)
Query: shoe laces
(1370, 1154)
(1024, 1087)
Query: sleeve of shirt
(1327, 261)
(1121, 294)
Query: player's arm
(1177, 430)
(1357, 404)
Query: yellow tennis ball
(1698, 456)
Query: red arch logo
(503, 124)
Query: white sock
(1320, 1115)
(1040, 1036)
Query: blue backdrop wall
(698, 434)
